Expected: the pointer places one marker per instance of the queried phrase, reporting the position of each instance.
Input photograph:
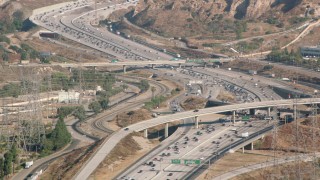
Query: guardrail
(200, 169)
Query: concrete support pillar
(252, 146)
(242, 149)
(70, 69)
(152, 66)
(269, 112)
(234, 116)
(196, 120)
(94, 69)
(192, 67)
(294, 112)
(179, 65)
(124, 68)
(205, 65)
(145, 133)
(252, 112)
(166, 130)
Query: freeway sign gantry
(175, 161)
(192, 161)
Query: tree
(5, 56)
(104, 104)
(60, 135)
(153, 89)
(7, 163)
(1, 168)
(95, 107)
(24, 55)
(80, 113)
(14, 152)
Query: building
(68, 97)
(311, 51)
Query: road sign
(192, 161)
(245, 118)
(175, 161)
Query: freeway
(110, 143)
(74, 21)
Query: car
(126, 129)
(202, 158)
(196, 110)
(170, 174)
(140, 171)
(250, 125)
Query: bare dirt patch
(131, 117)
(226, 96)
(233, 161)
(68, 165)
(194, 103)
(126, 152)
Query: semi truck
(28, 164)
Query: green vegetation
(95, 107)
(275, 21)
(175, 91)
(6, 163)
(292, 58)
(76, 111)
(155, 102)
(210, 44)
(13, 90)
(143, 85)
(57, 139)
(240, 27)
(247, 47)
(11, 24)
(297, 20)
(277, 55)
(4, 38)
(227, 25)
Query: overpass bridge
(108, 64)
(113, 140)
(123, 64)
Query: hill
(195, 17)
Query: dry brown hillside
(194, 17)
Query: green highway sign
(192, 161)
(245, 118)
(175, 161)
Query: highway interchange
(75, 20)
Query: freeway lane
(110, 143)
(74, 22)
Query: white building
(68, 97)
